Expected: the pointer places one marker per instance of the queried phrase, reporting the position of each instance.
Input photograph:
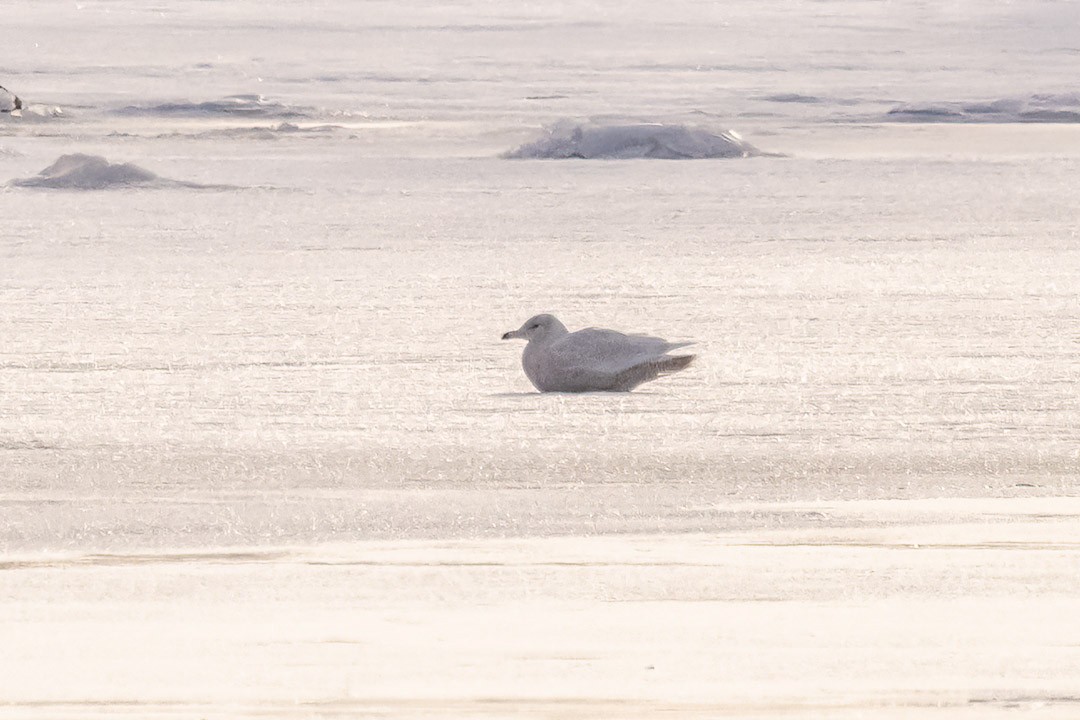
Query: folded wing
(597, 359)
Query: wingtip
(674, 363)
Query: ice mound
(1041, 108)
(93, 172)
(9, 101)
(617, 141)
(233, 105)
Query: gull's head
(538, 327)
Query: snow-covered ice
(937, 608)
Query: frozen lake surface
(264, 453)
(191, 367)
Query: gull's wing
(607, 351)
(594, 360)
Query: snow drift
(663, 141)
(93, 172)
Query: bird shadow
(596, 393)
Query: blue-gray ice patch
(283, 129)
(1039, 108)
(248, 106)
(664, 141)
(797, 98)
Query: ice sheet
(263, 453)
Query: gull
(593, 359)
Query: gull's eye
(533, 327)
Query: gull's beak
(511, 335)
